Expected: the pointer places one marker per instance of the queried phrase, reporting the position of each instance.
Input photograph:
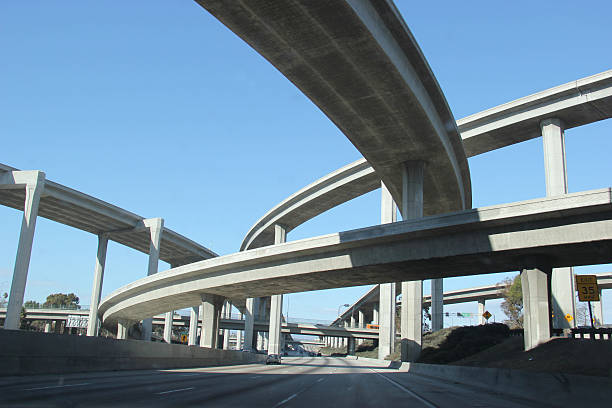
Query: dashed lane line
(406, 390)
(171, 391)
(55, 386)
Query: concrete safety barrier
(24, 353)
(548, 388)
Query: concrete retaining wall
(554, 388)
(23, 353)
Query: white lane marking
(55, 386)
(171, 391)
(188, 375)
(286, 400)
(406, 390)
(289, 398)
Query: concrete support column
(351, 346)
(555, 167)
(260, 341)
(211, 314)
(122, 329)
(437, 304)
(536, 305)
(47, 327)
(598, 316)
(386, 336)
(361, 323)
(34, 183)
(411, 316)
(226, 313)
(168, 323)
(353, 324)
(252, 304)
(238, 340)
(96, 289)
(156, 227)
(276, 302)
(192, 339)
(375, 318)
(481, 310)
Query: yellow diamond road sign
(487, 315)
(568, 317)
(586, 285)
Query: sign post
(588, 291)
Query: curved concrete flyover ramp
(576, 103)
(575, 229)
(359, 63)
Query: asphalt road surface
(313, 382)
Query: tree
(62, 301)
(3, 300)
(31, 304)
(512, 305)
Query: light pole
(341, 306)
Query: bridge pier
(351, 346)
(412, 292)
(252, 304)
(211, 314)
(276, 302)
(192, 339)
(536, 284)
(598, 311)
(386, 336)
(34, 183)
(481, 310)
(156, 227)
(437, 304)
(226, 313)
(122, 329)
(96, 290)
(361, 322)
(555, 168)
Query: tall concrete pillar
(34, 183)
(168, 323)
(276, 302)
(260, 341)
(386, 336)
(411, 316)
(555, 167)
(96, 290)
(226, 314)
(351, 346)
(375, 318)
(211, 314)
(47, 327)
(252, 304)
(156, 227)
(481, 310)
(122, 329)
(437, 304)
(353, 324)
(598, 316)
(192, 339)
(361, 323)
(238, 340)
(536, 305)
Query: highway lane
(298, 382)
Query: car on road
(273, 359)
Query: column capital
(552, 121)
(19, 178)
(153, 223)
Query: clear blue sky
(156, 107)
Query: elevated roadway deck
(574, 229)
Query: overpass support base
(536, 305)
(192, 339)
(437, 304)
(276, 306)
(211, 314)
(351, 346)
(411, 320)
